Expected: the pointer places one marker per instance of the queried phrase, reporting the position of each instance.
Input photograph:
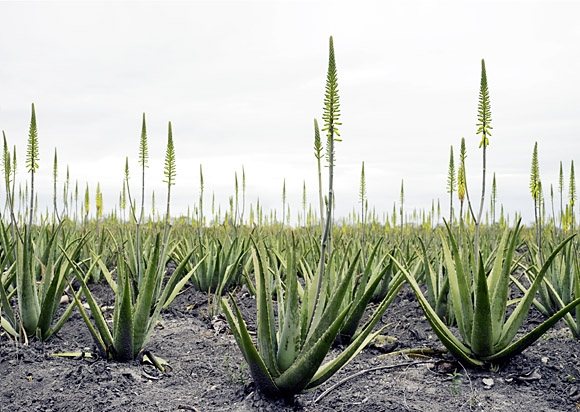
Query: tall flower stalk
(330, 116)
(32, 158)
(483, 128)
(451, 183)
(536, 191)
(318, 154)
(143, 161)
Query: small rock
(545, 360)
(488, 382)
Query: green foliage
(287, 358)
(561, 283)
(40, 270)
(437, 286)
(137, 309)
(487, 337)
(217, 263)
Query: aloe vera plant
(135, 312)
(480, 304)
(140, 290)
(288, 360)
(33, 259)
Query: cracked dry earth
(208, 372)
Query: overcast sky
(242, 81)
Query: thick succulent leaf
(258, 369)
(577, 291)
(145, 298)
(361, 340)
(568, 318)
(68, 311)
(5, 304)
(299, 374)
(365, 291)
(123, 319)
(176, 282)
(482, 334)
(106, 273)
(267, 343)
(4, 324)
(289, 345)
(460, 288)
(28, 302)
(431, 280)
(101, 334)
(499, 279)
(521, 344)
(330, 311)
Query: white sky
(242, 81)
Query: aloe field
(466, 309)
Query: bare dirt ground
(209, 374)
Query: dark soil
(208, 372)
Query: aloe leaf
(498, 280)
(360, 341)
(365, 290)
(568, 316)
(176, 283)
(28, 303)
(289, 345)
(331, 310)
(307, 304)
(431, 277)
(101, 334)
(267, 343)
(299, 374)
(482, 333)
(7, 326)
(123, 318)
(5, 303)
(460, 288)
(318, 302)
(521, 344)
(258, 369)
(106, 272)
(101, 341)
(577, 291)
(139, 324)
(68, 311)
(517, 317)
(51, 299)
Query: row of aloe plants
(318, 279)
